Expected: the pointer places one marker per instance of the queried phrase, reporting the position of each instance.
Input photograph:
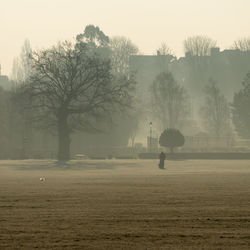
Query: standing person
(162, 157)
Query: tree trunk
(63, 138)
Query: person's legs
(161, 164)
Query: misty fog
(124, 124)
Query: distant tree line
(87, 85)
(170, 100)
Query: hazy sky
(146, 22)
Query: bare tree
(198, 45)
(242, 44)
(71, 89)
(240, 109)
(164, 50)
(21, 69)
(215, 112)
(16, 71)
(164, 57)
(122, 48)
(169, 101)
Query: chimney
(188, 54)
(214, 51)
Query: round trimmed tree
(171, 138)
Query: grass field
(123, 204)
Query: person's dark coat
(162, 157)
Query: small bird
(42, 179)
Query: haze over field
(146, 23)
(199, 52)
(124, 124)
(125, 205)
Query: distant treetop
(199, 45)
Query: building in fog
(228, 68)
(4, 81)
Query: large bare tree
(71, 89)
(198, 45)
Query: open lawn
(125, 204)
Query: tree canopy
(93, 35)
(171, 138)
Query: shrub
(171, 138)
